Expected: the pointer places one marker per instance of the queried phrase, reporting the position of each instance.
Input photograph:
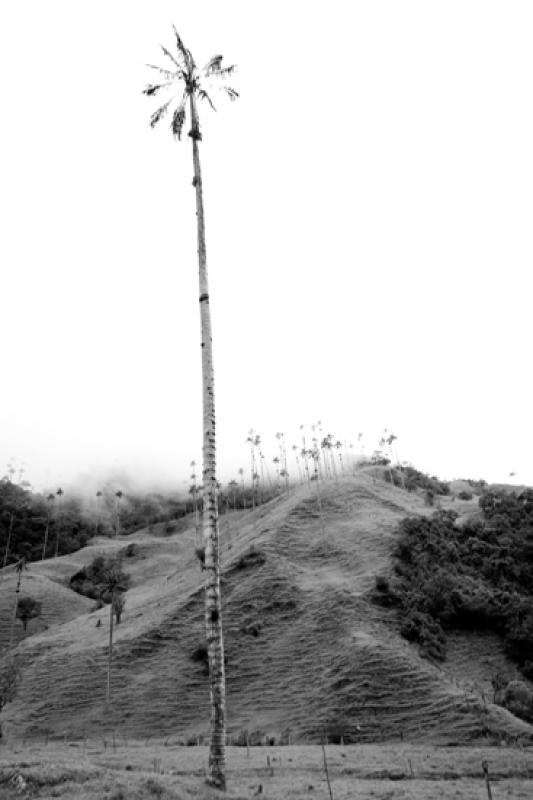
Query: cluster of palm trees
(318, 456)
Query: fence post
(485, 766)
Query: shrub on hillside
(465, 495)
(478, 576)
(92, 580)
(518, 699)
(251, 558)
(27, 609)
(200, 656)
(413, 479)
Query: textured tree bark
(46, 536)
(6, 552)
(110, 653)
(17, 590)
(213, 615)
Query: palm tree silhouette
(185, 85)
(50, 499)
(59, 494)
(119, 495)
(241, 473)
(20, 566)
(115, 582)
(98, 496)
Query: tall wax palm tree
(276, 461)
(59, 494)
(243, 497)
(8, 541)
(96, 525)
(119, 495)
(251, 441)
(115, 582)
(260, 480)
(338, 446)
(304, 454)
(185, 85)
(50, 499)
(232, 486)
(20, 566)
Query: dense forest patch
(478, 575)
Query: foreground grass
(139, 771)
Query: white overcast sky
(368, 208)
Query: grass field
(138, 770)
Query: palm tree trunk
(45, 537)
(6, 552)
(17, 590)
(213, 616)
(110, 653)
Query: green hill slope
(306, 649)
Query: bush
(253, 629)
(478, 576)
(200, 656)
(414, 479)
(518, 699)
(93, 581)
(382, 583)
(465, 495)
(28, 609)
(252, 558)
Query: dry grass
(144, 771)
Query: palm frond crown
(184, 79)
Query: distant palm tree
(11, 471)
(189, 82)
(338, 446)
(260, 477)
(241, 473)
(115, 582)
(9, 532)
(295, 451)
(276, 461)
(304, 454)
(20, 566)
(284, 472)
(251, 441)
(232, 486)
(98, 496)
(119, 495)
(50, 499)
(59, 494)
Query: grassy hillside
(306, 648)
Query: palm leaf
(152, 89)
(223, 72)
(213, 65)
(181, 47)
(202, 94)
(178, 121)
(232, 94)
(169, 55)
(166, 72)
(159, 114)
